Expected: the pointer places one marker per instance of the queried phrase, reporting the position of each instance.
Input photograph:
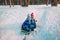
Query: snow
(48, 22)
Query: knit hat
(32, 15)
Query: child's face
(32, 17)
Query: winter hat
(32, 15)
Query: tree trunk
(17, 2)
(53, 2)
(5, 2)
(20, 2)
(28, 2)
(33, 2)
(10, 3)
(47, 2)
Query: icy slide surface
(48, 22)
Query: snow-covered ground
(48, 22)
